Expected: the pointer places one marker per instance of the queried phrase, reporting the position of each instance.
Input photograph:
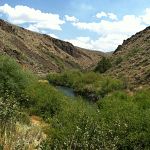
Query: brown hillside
(42, 53)
(132, 59)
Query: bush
(44, 100)
(120, 123)
(76, 127)
(40, 98)
(124, 122)
(103, 65)
(10, 114)
(118, 60)
(110, 85)
(13, 79)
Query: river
(66, 91)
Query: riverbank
(92, 86)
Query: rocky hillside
(42, 53)
(132, 59)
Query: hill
(131, 60)
(103, 114)
(42, 53)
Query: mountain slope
(42, 53)
(132, 59)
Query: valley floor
(103, 115)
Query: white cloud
(53, 35)
(112, 33)
(146, 16)
(71, 18)
(128, 25)
(83, 42)
(33, 28)
(111, 16)
(103, 43)
(37, 19)
(108, 42)
(101, 14)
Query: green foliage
(1, 147)
(116, 121)
(103, 65)
(124, 120)
(121, 122)
(13, 79)
(142, 98)
(86, 84)
(74, 128)
(118, 60)
(58, 61)
(41, 98)
(132, 52)
(44, 100)
(110, 85)
(8, 115)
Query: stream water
(66, 91)
(70, 93)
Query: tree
(103, 65)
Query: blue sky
(94, 24)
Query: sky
(93, 24)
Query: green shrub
(13, 79)
(103, 65)
(132, 52)
(109, 85)
(44, 100)
(142, 98)
(124, 123)
(76, 127)
(120, 123)
(118, 60)
(10, 114)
